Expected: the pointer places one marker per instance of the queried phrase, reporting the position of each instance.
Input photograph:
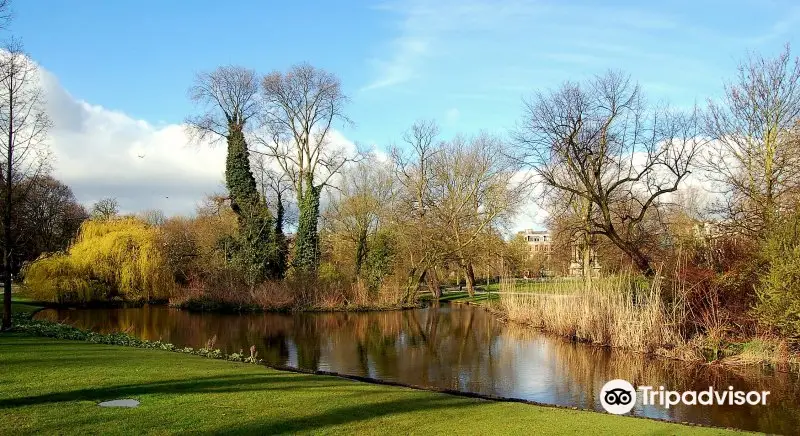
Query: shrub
(778, 304)
(118, 257)
(717, 285)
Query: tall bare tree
(276, 190)
(300, 109)
(24, 126)
(455, 195)
(600, 142)
(228, 99)
(105, 208)
(48, 218)
(755, 155)
(422, 248)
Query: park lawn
(52, 387)
(492, 293)
(463, 297)
(22, 305)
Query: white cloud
(451, 116)
(408, 53)
(430, 35)
(105, 153)
(422, 30)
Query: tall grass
(617, 311)
(227, 290)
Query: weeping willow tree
(115, 258)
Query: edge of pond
(362, 379)
(793, 368)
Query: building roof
(534, 232)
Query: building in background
(540, 249)
(539, 242)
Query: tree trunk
(413, 283)
(361, 249)
(639, 259)
(306, 248)
(470, 273)
(433, 284)
(7, 237)
(280, 237)
(7, 288)
(587, 266)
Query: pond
(462, 348)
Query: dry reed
(608, 311)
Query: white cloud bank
(104, 153)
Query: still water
(458, 347)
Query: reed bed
(225, 290)
(617, 311)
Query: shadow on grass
(361, 408)
(218, 384)
(348, 414)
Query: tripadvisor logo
(618, 397)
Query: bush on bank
(778, 302)
(189, 263)
(116, 258)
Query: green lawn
(490, 293)
(22, 305)
(463, 297)
(52, 386)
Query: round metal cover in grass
(119, 403)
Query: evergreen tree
(231, 94)
(257, 245)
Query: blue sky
(126, 65)
(465, 63)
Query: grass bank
(53, 386)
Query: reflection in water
(457, 347)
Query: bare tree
(154, 217)
(228, 98)
(5, 13)
(423, 249)
(105, 208)
(601, 144)
(300, 108)
(47, 220)
(364, 200)
(24, 125)
(455, 196)
(755, 155)
(275, 188)
(475, 191)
